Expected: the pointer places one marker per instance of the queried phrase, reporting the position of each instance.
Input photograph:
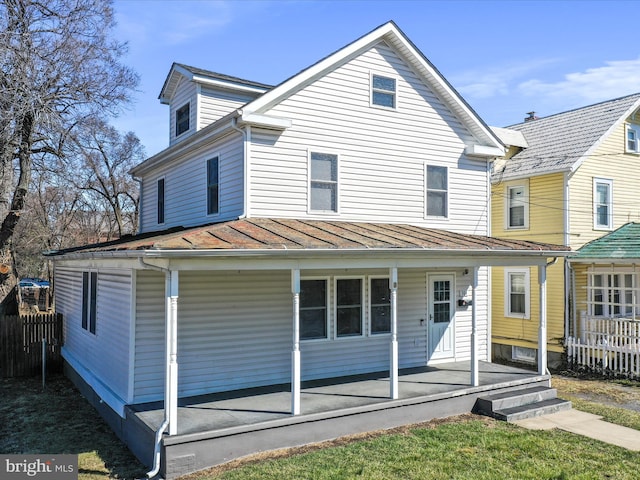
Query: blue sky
(505, 58)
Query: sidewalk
(586, 424)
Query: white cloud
(497, 80)
(615, 79)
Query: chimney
(531, 117)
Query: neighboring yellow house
(567, 179)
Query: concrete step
(515, 398)
(532, 410)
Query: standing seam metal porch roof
(290, 234)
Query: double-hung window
(517, 293)
(313, 309)
(182, 119)
(437, 191)
(383, 91)
(323, 182)
(517, 207)
(89, 300)
(632, 138)
(349, 311)
(213, 187)
(160, 198)
(379, 305)
(602, 204)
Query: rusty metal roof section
(309, 235)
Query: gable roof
(392, 35)
(203, 76)
(621, 244)
(561, 142)
(290, 236)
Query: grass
(59, 420)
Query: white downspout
(246, 135)
(167, 416)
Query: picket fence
(609, 346)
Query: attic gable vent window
(383, 91)
(182, 120)
(633, 139)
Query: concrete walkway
(588, 425)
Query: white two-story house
(332, 225)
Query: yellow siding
(609, 162)
(546, 224)
(524, 332)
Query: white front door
(441, 305)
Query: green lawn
(59, 420)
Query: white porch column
(171, 387)
(475, 369)
(542, 329)
(393, 364)
(295, 354)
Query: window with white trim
(182, 119)
(313, 309)
(379, 305)
(517, 293)
(437, 191)
(323, 182)
(89, 300)
(349, 307)
(517, 207)
(612, 295)
(213, 186)
(602, 204)
(383, 91)
(632, 134)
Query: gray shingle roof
(221, 76)
(557, 142)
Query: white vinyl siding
(185, 94)
(215, 104)
(234, 331)
(186, 187)
(104, 354)
(382, 152)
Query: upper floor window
(349, 311)
(383, 91)
(602, 204)
(517, 207)
(437, 191)
(89, 300)
(182, 119)
(160, 204)
(323, 182)
(313, 309)
(380, 305)
(213, 188)
(517, 293)
(633, 139)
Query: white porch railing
(606, 345)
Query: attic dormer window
(633, 139)
(182, 119)
(383, 91)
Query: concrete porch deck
(217, 428)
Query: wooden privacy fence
(610, 346)
(21, 344)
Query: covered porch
(217, 428)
